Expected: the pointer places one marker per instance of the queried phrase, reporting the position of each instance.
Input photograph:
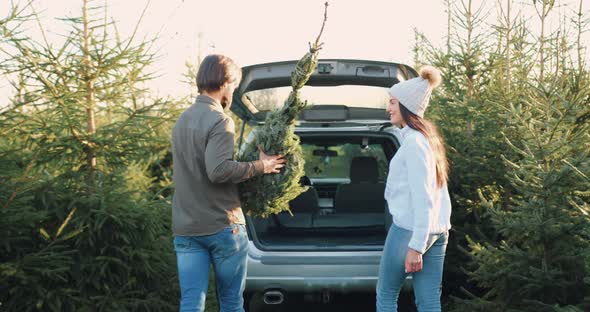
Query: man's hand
(272, 164)
(413, 261)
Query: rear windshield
(348, 95)
(334, 161)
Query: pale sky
(259, 31)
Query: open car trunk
(344, 207)
(346, 169)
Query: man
(207, 219)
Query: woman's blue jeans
(227, 251)
(427, 282)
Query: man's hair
(216, 70)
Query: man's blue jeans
(427, 282)
(227, 251)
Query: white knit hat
(414, 94)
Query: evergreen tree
(540, 260)
(270, 194)
(83, 226)
(487, 74)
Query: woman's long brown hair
(430, 131)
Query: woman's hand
(413, 261)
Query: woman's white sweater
(414, 199)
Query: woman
(418, 199)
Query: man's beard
(226, 101)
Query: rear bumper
(291, 271)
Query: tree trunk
(579, 39)
(449, 20)
(468, 69)
(508, 51)
(90, 94)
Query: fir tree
(83, 227)
(540, 260)
(270, 194)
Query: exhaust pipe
(273, 297)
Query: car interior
(344, 203)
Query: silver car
(333, 243)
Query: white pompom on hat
(414, 94)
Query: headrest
(364, 170)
